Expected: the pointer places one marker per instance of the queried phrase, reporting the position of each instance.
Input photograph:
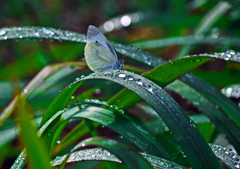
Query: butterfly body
(100, 55)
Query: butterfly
(100, 55)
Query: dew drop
(228, 55)
(232, 52)
(83, 144)
(114, 107)
(149, 88)
(36, 34)
(121, 111)
(236, 165)
(130, 78)
(2, 32)
(48, 32)
(139, 82)
(82, 76)
(77, 79)
(98, 91)
(121, 75)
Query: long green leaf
(128, 156)
(36, 150)
(125, 127)
(104, 155)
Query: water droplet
(228, 55)
(121, 75)
(114, 107)
(36, 34)
(98, 91)
(2, 32)
(130, 78)
(77, 79)
(72, 97)
(82, 76)
(149, 88)
(121, 111)
(83, 144)
(139, 82)
(236, 165)
(48, 32)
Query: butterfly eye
(96, 41)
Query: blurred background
(126, 22)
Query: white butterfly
(100, 55)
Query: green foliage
(153, 114)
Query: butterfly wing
(98, 57)
(99, 51)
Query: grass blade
(36, 150)
(129, 157)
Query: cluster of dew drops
(126, 77)
(39, 33)
(229, 156)
(229, 55)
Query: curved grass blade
(128, 156)
(51, 33)
(104, 155)
(125, 127)
(226, 155)
(30, 32)
(75, 134)
(121, 124)
(37, 153)
(36, 81)
(115, 121)
(181, 126)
